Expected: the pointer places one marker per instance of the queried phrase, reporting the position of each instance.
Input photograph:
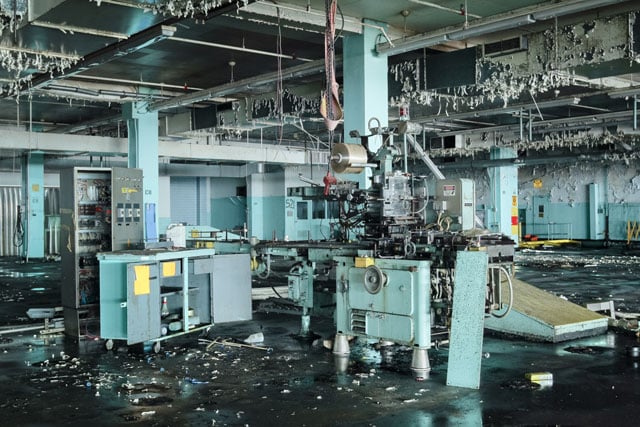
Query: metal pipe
(425, 157)
(240, 49)
(635, 112)
(448, 9)
(83, 30)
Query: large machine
(403, 261)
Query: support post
(142, 128)
(365, 86)
(502, 215)
(33, 201)
(594, 219)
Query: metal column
(33, 202)
(143, 154)
(594, 219)
(502, 214)
(365, 85)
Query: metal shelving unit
(199, 287)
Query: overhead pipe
(460, 12)
(81, 30)
(240, 49)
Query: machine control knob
(374, 279)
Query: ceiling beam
(184, 150)
(298, 71)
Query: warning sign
(449, 190)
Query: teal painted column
(502, 213)
(33, 201)
(254, 208)
(142, 127)
(594, 220)
(365, 84)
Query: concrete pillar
(502, 212)
(365, 85)
(33, 201)
(594, 218)
(142, 128)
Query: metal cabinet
(101, 210)
(152, 295)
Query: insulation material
(188, 8)
(555, 58)
(12, 12)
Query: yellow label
(128, 190)
(537, 183)
(169, 269)
(364, 262)
(35, 188)
(141, 284)
(514, 201)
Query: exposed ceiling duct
(481, 27)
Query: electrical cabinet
(456, 199)
(151, 295)
(100, 211)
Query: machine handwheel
(374, 279)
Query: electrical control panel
(101, 211)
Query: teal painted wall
(228, 206)
(619, 214)
(229, 212)
(265, 205)
(564, 192)
(268, 221)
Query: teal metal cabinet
(134, 285)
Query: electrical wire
(510, 282)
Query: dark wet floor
(50, 381)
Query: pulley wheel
(374, 279)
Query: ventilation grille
(358, 321)
(504, 47)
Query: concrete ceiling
(67, 66)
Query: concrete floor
(51, 381)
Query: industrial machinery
(408, 268)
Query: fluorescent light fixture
(492, 27)
(573, 7)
